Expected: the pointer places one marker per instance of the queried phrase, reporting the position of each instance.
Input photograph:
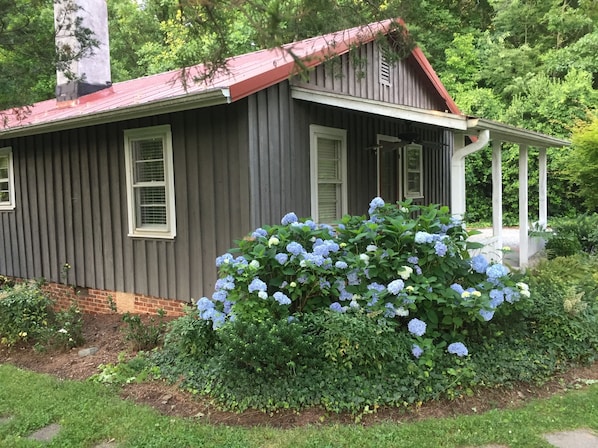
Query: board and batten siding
(71, 206)
(362, 130)
(357, 74)
(279, 151)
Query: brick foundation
(98, 301)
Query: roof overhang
(462, 124)
(176, 104)
(512, 134)
(430, 117)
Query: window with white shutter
(150, 182)
(328, 173)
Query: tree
(28, 53)
(581, 166)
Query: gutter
(458, 171)
(185, 102)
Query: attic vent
(384, 70)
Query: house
(129, 191)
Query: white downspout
(458, 171)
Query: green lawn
(91, 413)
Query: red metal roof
(244, 75)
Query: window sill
(152, 235)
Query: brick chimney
(91, 72)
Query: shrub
(25, 313)
(375, 311)
(390, 264)
(190, 337)
(27, 316)
(564, 307)
(144, 335)
(570, 236)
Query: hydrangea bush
(388, 309)
(409, 265)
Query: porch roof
(459, 123)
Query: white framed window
(150, 182)
(328, 167)
(7, 180)
(413, 171)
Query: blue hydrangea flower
(204, 304)
(257, 285)
(416, 350)
(418, 270)
(416, 327)
(497, 297)
(318, 260)
(289, 218)
(223, 259)
(295, 248)
(376, 287)
(373, 300)
(344, 295)
(227, 306)
(217, 319)
(479, 264)
(423, 237)
(259, 233)
(282, 258)
(353, 278)
(487, 314)
(376, 203)
(302, 279)
(413, 260)
(227, 283)
(511, 295)
(324, 284)
(281, 298)
(220, 296)
(312, 225)
(395, 286)
(389, 310)
(440, 248)
(496, 271)
(458, 288)
(457, 348)
(341, 265)
(337, 307)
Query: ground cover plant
(387, 309)
(29, 401)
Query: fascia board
(186, 102)
(512, 134)
(436, 118)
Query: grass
(91, 413)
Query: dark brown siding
(357, 74)
(71, 206)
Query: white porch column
(523, 207)
(542, 187)
(497, 195)
(458, 179)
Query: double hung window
(150, 182)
